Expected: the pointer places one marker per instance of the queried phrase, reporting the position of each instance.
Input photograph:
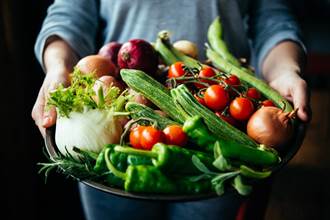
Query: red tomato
(216, 97)
(241, 108)
(253, 93)
(135, 136)
(205, 72)
(267, 103)
(200, 99)
(176, 70)
(174, 135)
(232, 80)
(150, 136)
(227, 118)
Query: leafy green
(241, 187)
(81, 95)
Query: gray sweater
(88, 24)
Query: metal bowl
(292, 149)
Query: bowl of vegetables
(189, 131)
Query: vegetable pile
(181, 126)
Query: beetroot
(111, 50)
(138, 54)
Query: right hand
(59, 59)
(42, 117)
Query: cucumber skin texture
(138, 110)
(218, 127)
(154, 91)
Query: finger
(42, 130)
(300, 96)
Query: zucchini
(259, 84)
(141, 111)
(221, 129)
(154, 91)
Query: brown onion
(271, 126)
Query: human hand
(291, 86)
(282, 69)
(45, 118)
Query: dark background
(23, 191)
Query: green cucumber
(259, 84)
(154, 91)
(221, 129)
(141, 111)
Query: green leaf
(199, 177)
(200, 166)
(241, 188)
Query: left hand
(282, 68)
(292, 87)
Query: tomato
(227, 118)
(232, 80)
(200, 99)
(216, 97)
(267, 102)
(174, 135)
(176, 70)
(241, 108)
(205, 72)
(253, 93)
(150, 136)
(135, 136)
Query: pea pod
(259, 84)
(215, 38)
(170, 158)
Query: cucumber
(259, 84)
(154, 91)
(218, 127)
(139, 110)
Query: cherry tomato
(267, 102)
(205, 72)
(135, 136)
(232, 80)
(174, 135)
(241, 108)
(253, 93)
(216, 97)
(200, 99)
(150, 136)
(227, 118)
(176, 70)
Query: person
(76, 28)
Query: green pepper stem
(129, 150)
(111, 167)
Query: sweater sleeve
(75, 21)
(271, 22)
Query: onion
(186, 47)
(271, 126)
